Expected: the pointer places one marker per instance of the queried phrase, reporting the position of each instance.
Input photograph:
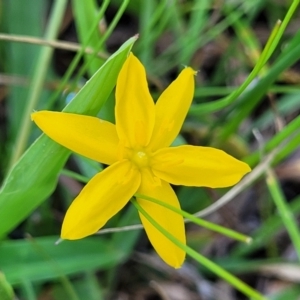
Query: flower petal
(169, 220)
(104, 195)
(171, 109)
(85, 135)
(198, 166)
(134, 105)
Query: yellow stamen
(140, 158)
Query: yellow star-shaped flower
(137, 148)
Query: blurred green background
(257, 121)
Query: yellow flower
(137, 150)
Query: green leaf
(40, 259)
(6, 291)
(34, 177)
(28, 19)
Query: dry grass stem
(55, 44)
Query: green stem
(28, 290)
(238, 284)
(287, 149)
(267, 52)
(108, 32)
(79, 54)
(253, 96)
(286, 132)
(214, 227)
(286, 214)
(38, 79)
(222, 103)
(283, 26)
(75, 175)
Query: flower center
(140, 158)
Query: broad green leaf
(40, 259)
(34, 177)
(27, 19)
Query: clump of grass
(247, 82)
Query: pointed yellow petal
(85, 135)
(134, 104)
(171, 109)
(169, 220)
(198, 166)
(104, 195)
